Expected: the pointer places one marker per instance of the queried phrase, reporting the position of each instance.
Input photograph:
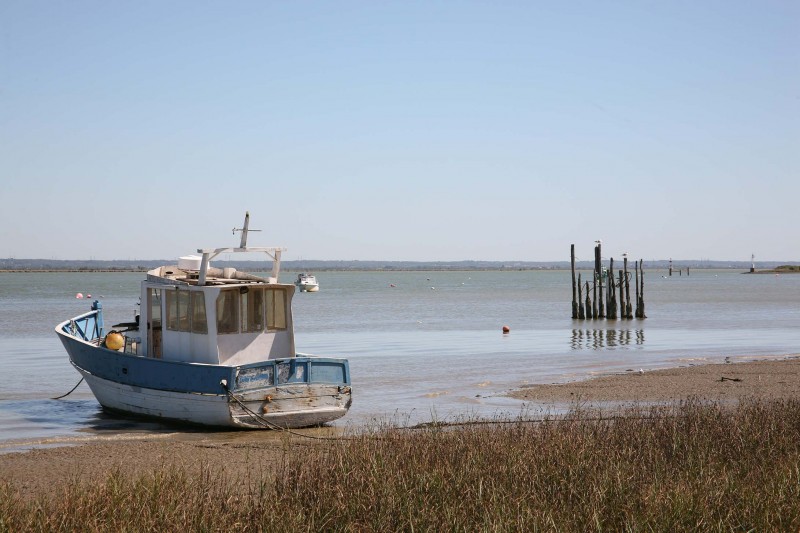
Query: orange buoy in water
(79, 295)
(506, 329)
(114, 341)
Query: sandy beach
(763, 379)
(248, 455)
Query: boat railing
(299, 370)
(87, 327)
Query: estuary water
(421, 345)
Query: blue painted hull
(279, 393)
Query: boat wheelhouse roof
(194, 270)
(175, 275)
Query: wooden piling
(574, 297)
(589, 303)
(611, 299)
(590, 310)
(641, 293)
(627, 305)
(598, 265)
(638, 301)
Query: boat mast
(273, 253)
(244, 230)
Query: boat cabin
(194, 313)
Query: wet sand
(247, 456)
(762, 379)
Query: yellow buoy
(114, 341)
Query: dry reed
(691, 466)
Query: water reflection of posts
(595, 339)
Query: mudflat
(762, 379)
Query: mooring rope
(70, 392)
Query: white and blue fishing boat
(209, 346)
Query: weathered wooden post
(641, 295)
(638, 302)
(627, 305)
(616, 295)
(588, 303)
(598, 267)
(610, 298)
(590, 311)
(574, 297)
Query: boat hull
(211, 410)
(273, 394)
(307, 287)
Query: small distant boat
(210, 346)
(306, 282)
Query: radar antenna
(245, 230)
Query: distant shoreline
(779, 270)
(87, 270)
(67, 270)
(373, 269)
(10, 264)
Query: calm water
(429, 347)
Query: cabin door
(154, 323)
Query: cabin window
(172, 310)
(228, 311)
(178, 318)
(183, 311)
(276, 309)
(199, 322)
(154, 323)
(252, 310)
(155, 307)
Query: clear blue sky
(401, 130)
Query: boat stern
(290, 393)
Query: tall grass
(691, 466)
